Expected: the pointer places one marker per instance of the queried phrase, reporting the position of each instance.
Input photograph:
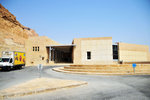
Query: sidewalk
(38, 85)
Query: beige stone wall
(149, 56)
(77, 51)
(133, 52)
(100, 48)
(34, 58)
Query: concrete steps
(123, 68)
(110, 71)
(98, 71)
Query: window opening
(115, 52)
(38, 48)
(88, 55)
(35, 48)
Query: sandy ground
(38, 85)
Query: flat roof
(65, 45)
(66, 48)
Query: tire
(8, 68)
(19, 67)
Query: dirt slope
(12, 33)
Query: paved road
(99, 87)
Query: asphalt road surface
(99, 87)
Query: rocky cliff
(12, 33)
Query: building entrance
(61, 53)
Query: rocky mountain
(12, 33)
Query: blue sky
(62, 20)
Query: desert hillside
(12, 33)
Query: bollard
(40, 67)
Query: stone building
(83, 51)
(36, 51)
(133, 52)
